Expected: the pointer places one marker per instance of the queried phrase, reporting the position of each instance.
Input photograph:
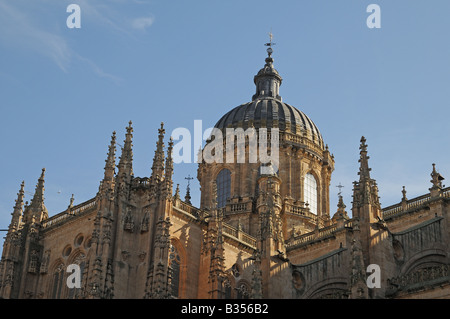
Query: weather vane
(189, 179)
(187, 198)
(270, 43)
(340, 189)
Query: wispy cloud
(142, 23)
(98, 71)
(18, 29)
(104, 15)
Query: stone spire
(364, 170)
(366, 190)
(169, 170)
(268, 80)
(126, 159)
(37, 211)
(18, 209)
(368, 225)
(13, 247)
(158, 159)
(38, 199)
(111, 160)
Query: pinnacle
(158, 159)
(38, 198)
(20, 194)
(110, 159)
(126, 158)
(161, 130)
(364, 170)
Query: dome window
(223, 182)
(310, 188)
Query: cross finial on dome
(187, 198)
(340, 189)
(269, 44)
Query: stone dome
(270, 113)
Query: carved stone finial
(177, 192)
(436, 178)
(404, 194)
(130, 128)
(72, 199)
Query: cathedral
(260, 231)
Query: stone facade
(136, 238)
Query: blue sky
(64, 91)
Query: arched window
(310, 192)
(223, 182)
(58, 279)
(174, 264)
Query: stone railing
(191, 211)
(392, 210)
(348, 223)
(188, 208)
(411, 204)
(293, 138)
(317, 234)
(83, 206)
(299, 210)
(70, 213)
(239, 235)
(446, 192)
(228, 230)
(238, 207)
